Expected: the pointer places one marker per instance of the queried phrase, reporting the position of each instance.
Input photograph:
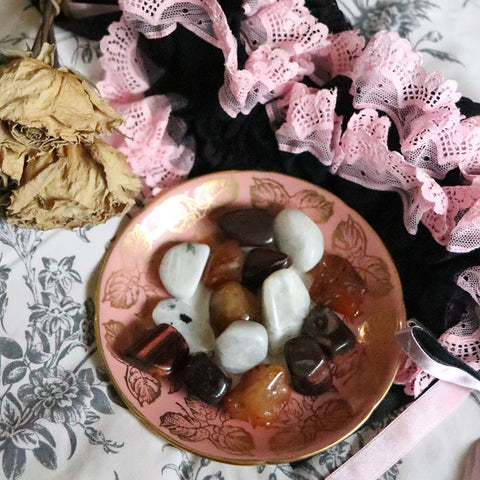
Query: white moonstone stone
(285, 304)
(241, 346)
(194, 328)
(299, 236)
(181, 268)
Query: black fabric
(327, 12)
(93, 28)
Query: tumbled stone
(224, 264)
(241, 346)
(285, 303)
(337, 285)
(161, 347)
(204, 379)
(328, 330)
(196, 330)
(259, 263)
(232, 302)
(181, 268)
(299, 236)
(308, 366)
(252, 227)
(260, 396)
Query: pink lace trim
(146, 119)
(462, 340)
(287, 43)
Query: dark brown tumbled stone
(259, 263)
(326, 328)
(204, 379)
(308, 366)
(251, 227)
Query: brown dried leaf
(12, 155)
(72, 186)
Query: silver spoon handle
(423, 348)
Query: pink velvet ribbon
(400, 436)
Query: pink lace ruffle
(279, 37)
(286, 43)
(151, 153)
(462, 340)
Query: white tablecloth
(58, 412)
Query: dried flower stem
(50, 9)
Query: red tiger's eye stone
(328, 330)
(204, 379)
(161, 347)
(308, 366)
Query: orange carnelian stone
(232, 302)
(260, 395)
(337, 285)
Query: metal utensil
(424, 349)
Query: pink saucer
(130, 288)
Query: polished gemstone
(285, 303)
(308, 366)
(204, 379)
(259, 263)
(260, 396)
(232, 302)
(325, 327)
(299, 236)
(337, 285)
(196, 330)
(161, 347)
(250, 226)
(241, 346)
(224, 264)
(181, 268)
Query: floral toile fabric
(47, 280)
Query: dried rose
(45, 105)
(71, 186)
(63, 175)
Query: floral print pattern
(402, 16)
(47, 377)
(35, 384)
